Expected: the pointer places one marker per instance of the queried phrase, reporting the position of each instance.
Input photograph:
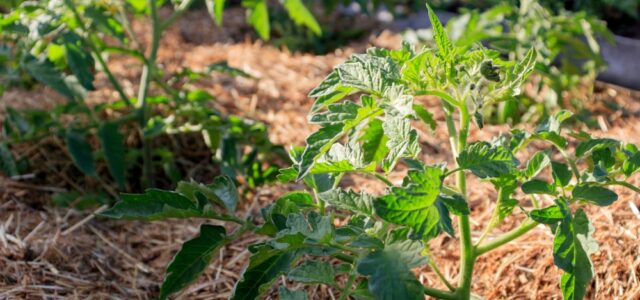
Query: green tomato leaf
(589, 146)
(216, 10)
(287, 294)
(537, 186)
(572, 246)
(561, 173)
(374, 142)
(536, 164)
(112, 143)
(318, 143)
(221, 191)
(45, 72)
(313, 271)
(597, 195)
(632, 164)
(413, 204)
(553, 123)
(7, 163)
(329, 91)
(402, 140)
(445, 47)
(80, 63)
(549, 215)
(192, 259)
(486, 160)
(265, 266)
(389, 271)
(372, 74)
(456, 204)
(258, 17)
(157, 204)
(80, 151)
(301, 15)
(425, 115)
(358, 203)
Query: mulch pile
(51, 253)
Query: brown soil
(44, 256)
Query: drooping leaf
(301, 15)
(595, 194)
(358, 203)
(80, 63)
(412, 204)
(265, 266)
(80, 151)
(573, 244)
(157, 204)
(192, 259)
(389, 274)
(44, 71)
(313, 271)
(112, 143)
(456, 204)
(486, 160)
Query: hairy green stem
(625, 184)
(143, 92)
(467, 256)
(344, 294)
(525, 227)
(441, 276)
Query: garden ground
(50, 253)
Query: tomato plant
(365, 109)
(62, 44)
(568, 53)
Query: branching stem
(525, 227)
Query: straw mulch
(52, 253)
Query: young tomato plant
(568, 53)
(364, 245)
(62, 44)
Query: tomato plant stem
(145, 79)
(506, 237)
(439, 294)
(467, 257)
